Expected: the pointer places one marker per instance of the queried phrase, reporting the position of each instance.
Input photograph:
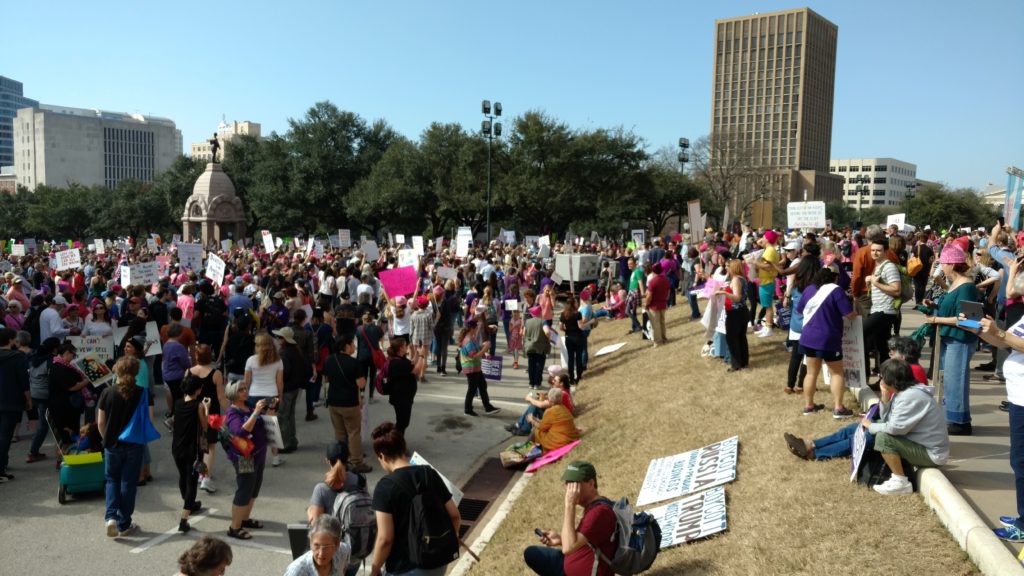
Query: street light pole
(683, 157)
(909, 196)
(490, 130)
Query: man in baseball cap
(570, 552)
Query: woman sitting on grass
(522, 427)
(557, 427)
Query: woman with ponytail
(123, 460)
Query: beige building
(225, 134)
(774, 79)
(58, 145)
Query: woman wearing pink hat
(957, 344)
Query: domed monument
(213, 212)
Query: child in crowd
(515, 336)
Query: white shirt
(50, 324)
(97, 328)
(264, 378)
(1013, 368)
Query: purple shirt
(824, 330)
(235, 419)
(176, 360)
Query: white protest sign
(509, 237)
(417, 245)
(190, 256)
(638, 237)
(447, 273)
(899, 220)
(332, 239)
(371, 250)
(805, 215)
(309, 244)
(545, 251)
(17, 250)
(391, 239)
(688, 472)
(268, 240)
(609, 349)
(272, 429)
(100, 247)
(225, 245)
(853, 354)
(544, 240)
(438, 243)
(68, 259)
(511, 305)
(696, 222)
(144, 274)
(153, 347)
(400, 239)
(215, 269)
(408, 257)
(100, 346)
(345, 238)
(528, 240)
(278, 241)
(457, 494)
(318, 250)
(30, 244)
(151, 245)
(691, 518)
(556, 278)
(462, 245)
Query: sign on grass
(689, 472)
(691, 518)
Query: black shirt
(186, 427)
(392, 495)
(239, 347)
(296, 369)
(401, 380)
(342, 372)
(118, 411)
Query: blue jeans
(122, 464)
(9, 420)
(586, 352)
(839, 444)
(956, 364)
(544, 560)
(523, 425)
(1017, 457)
(42, 428)
(720, 348)
(535, 369)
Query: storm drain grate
(471, 509)
(463, 528)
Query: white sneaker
(894, 485)
(207, 485)
(111, 528)
(276, 461)
(133, 527)
(764, 333)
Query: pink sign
(399, 281)
(549, 457)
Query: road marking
(463, 398)
(167, 535)
(254, 544)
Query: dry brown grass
(785, 516)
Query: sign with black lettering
(691, 518)
(689, 472)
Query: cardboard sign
(17, 250)
(457, 494)
(225, 245)
(144, 274)
(609, 349)
(691, 518)
(95, 370)
(151, 245)
(101, 347)
(462, 246)
(153, 347)
(371, 250)
(69, 259)
(391, 240)
(273, 429)
(268, 240)
(400, 239)
(100, 247)
(408, 257)
(190, 256)
(398, 281)
(491, 367)
(215, 269)
(689, 472)
(344, 238)
(417, 245)
(805, 215)
(899, 220)
(447, 273)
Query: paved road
(40, 536)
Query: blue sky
(936, 83)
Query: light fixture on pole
(909, 196)
(683, 157)
(491, 130)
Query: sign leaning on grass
(853, 354)
(689, 472)
(691, 518)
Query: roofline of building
(776, 13)
(105, 115)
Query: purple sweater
(176, 360)
(235, 419)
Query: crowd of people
(286, 323)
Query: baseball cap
(579, 471)
(792, 245)
(59, 300)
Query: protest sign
(370, 250)
(30, 244)
(164, 263)
(69, 259)
(417, 245)
(17, 250)
(805, 215)
(272, 427)
(457, 494)
(545, 251)
(318, 249)
(225, 245)
(215, 269)
(408, 257)
(153, 347)
(400, 239)
(691, 518)
(688, 472)
(278, 241)
(509, 237)
(447, 273)
(332, 239)
(853, 354)
(462, 246)
(398, 281)
(309, 244)
(531, 240)
(491, 367)
(439, 243)
(556, 278)
(191, 256)
(638, 237)
(151, 245)
(100, 248)
(268, 240)
(609, 349)
(345, 238)
(511, 305)
(860, 443)
(899, 220)
(391, 240)
(142, 274)
(100, 346)
(94, 369)
(696, 221)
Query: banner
(190, 256)
(696, 222)
(688, 472)
(398, 281)
(215, 269)
(144, 274)
(491, 367)
(1014, 190)
(692, 518)
(805, 215)
(100, 346)
(345, 238)
(153, 347)
(69, 259)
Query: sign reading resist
(689, 472)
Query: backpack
(382, 383)
(638, 536)
(873, 470)
(358, 521)
(431, 536)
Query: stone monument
(213, 212)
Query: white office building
(58, 145)
(225, 134)
(880, 182)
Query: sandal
(796, 446)
(799, 390)
(788, 390)
(252, 524)
(239, 534)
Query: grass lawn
(785, 515)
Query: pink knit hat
(771, 236)
(952, 254)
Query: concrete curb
(466, 562)
(966, 527)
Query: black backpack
(873, 470)
(432, 540)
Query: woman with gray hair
(327, 554)
(248, 454)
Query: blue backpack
(637, 537)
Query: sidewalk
(979, 465)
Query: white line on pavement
(167, 535)
(446, 397)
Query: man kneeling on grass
(910, 426)
(575, 545)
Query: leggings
(403, 413)
(797, 370)
(188, 480)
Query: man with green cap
(571, 552)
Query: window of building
(831, 168)
(879, 179)
(881, 168)
(878, 202)
(842, 168)
(878, 193)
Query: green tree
(537, 189)
(668, 193)
(941, 208)
(274, 202)
(14, 210)
(61, 213)
(392, 196)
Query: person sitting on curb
(558, 379)
(571, 551)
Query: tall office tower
(12, 98)
(771, 119)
